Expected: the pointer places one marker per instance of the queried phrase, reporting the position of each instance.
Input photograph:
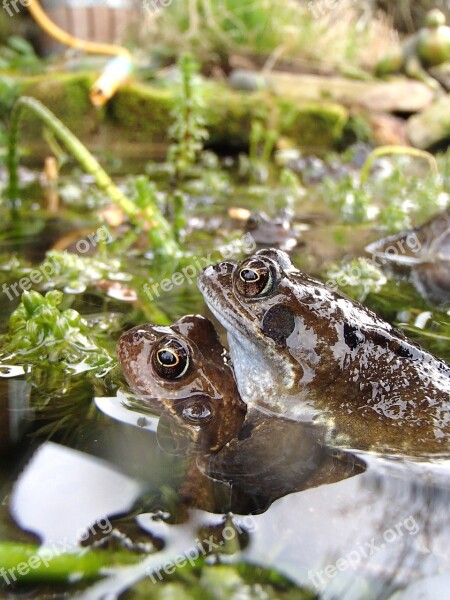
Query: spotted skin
(329, 360)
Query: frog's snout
(219, 273)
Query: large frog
(261, 458)
(426, 50)
(308, 353)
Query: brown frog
(423, 254)
(260, 458)
(308, 353)
(177, 370)
(272, 232)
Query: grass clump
(213, 31)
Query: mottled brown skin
(308, 353)
(203, 401)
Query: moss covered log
(140, 113)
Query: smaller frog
(427, 49)
(422, 253)
(266, 231)
(272, 232)
(183, 370)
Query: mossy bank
(141, 113)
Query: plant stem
(149, 218)
(40, 564)
(396, 150)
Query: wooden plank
(124, 17)
(80, 19)
(102, 24)
(60, 17)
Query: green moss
(5, 23)
(142, 112)
(67, 95)
(313, 125)
(357, 129)
(229, 115)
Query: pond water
(79, 465)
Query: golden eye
(255, 278)
(170, 359)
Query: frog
(259, 458)
(306, 352)
(267, 231)
(423, 255)
(272, 232)
(424, 55)
(175, 370)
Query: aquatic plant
(192, 579)
(430, 328)
(50, 566)
(394, 198)
(41, 335)
(357, 278)
(396, 151)
(149, 219)
(262, 143)
(188, 131)
(19, 55)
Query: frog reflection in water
(311, 354)
(182, 371)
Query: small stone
(248, 81)
(397, 96)
(388, 130)
(432, 126)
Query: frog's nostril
(224, 268)
(208, 271)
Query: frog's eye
(170, 359)
(255, 278)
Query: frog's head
(287, 332)
(183, 371)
